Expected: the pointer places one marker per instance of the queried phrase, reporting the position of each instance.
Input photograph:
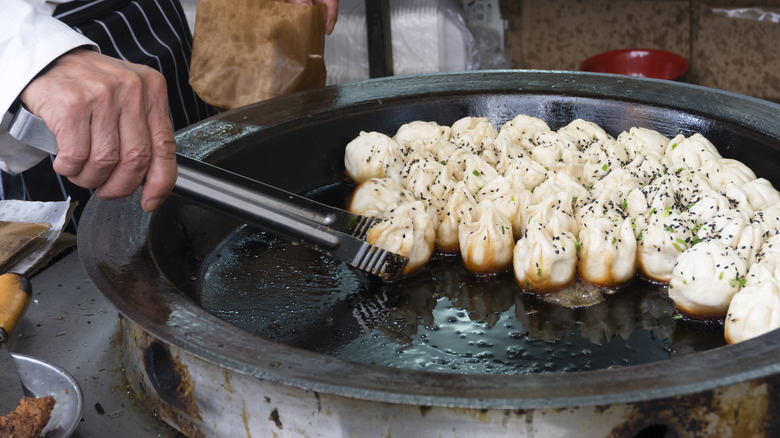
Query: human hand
(332, 11)
(111, 121)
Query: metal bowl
(204, 375)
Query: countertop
(70, 324)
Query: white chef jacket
(30, 39)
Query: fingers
(74, 138)
(111, 122)
(331, 15)
(161, 174)
(123, 169)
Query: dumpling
(543, 262)
(758, 272)
(406, 230)
(442, 150)
(501, 153)
(710, 204)
(469, 168)
(766, 264)
(610, 149)
(726, 226)
(770, 251)
(689, 153)
(478, 173)
(521, 129)
(661, 241)
(421, 136)
(598, 165)
(554, 213)
(586, 134)
(559, 183)
(507, 198)
(767, 261)
(768, 218)
(572, 163)
(642, 141)
(705, 279)
(457, 202)
(724, 171)
(375, 196)
(373, 155)
(420, 177)
(485, 238)
(548, 147)
(473, 133)
(753, 311)
(749, 242)
(735, 230)
(645, 168)
(688, 185)
(738, 198)
(607, 246)
(619, 181)
(658, 196)
(760, 193)
(525, 172)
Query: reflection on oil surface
(443, 319)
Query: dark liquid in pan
(442, 319)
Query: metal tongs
(333, 231)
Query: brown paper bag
(245, 51)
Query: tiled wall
(739, 55)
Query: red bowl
(649, 63)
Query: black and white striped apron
(150, 32)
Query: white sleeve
(30, 39)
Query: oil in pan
(442, 319)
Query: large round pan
(148, 265)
